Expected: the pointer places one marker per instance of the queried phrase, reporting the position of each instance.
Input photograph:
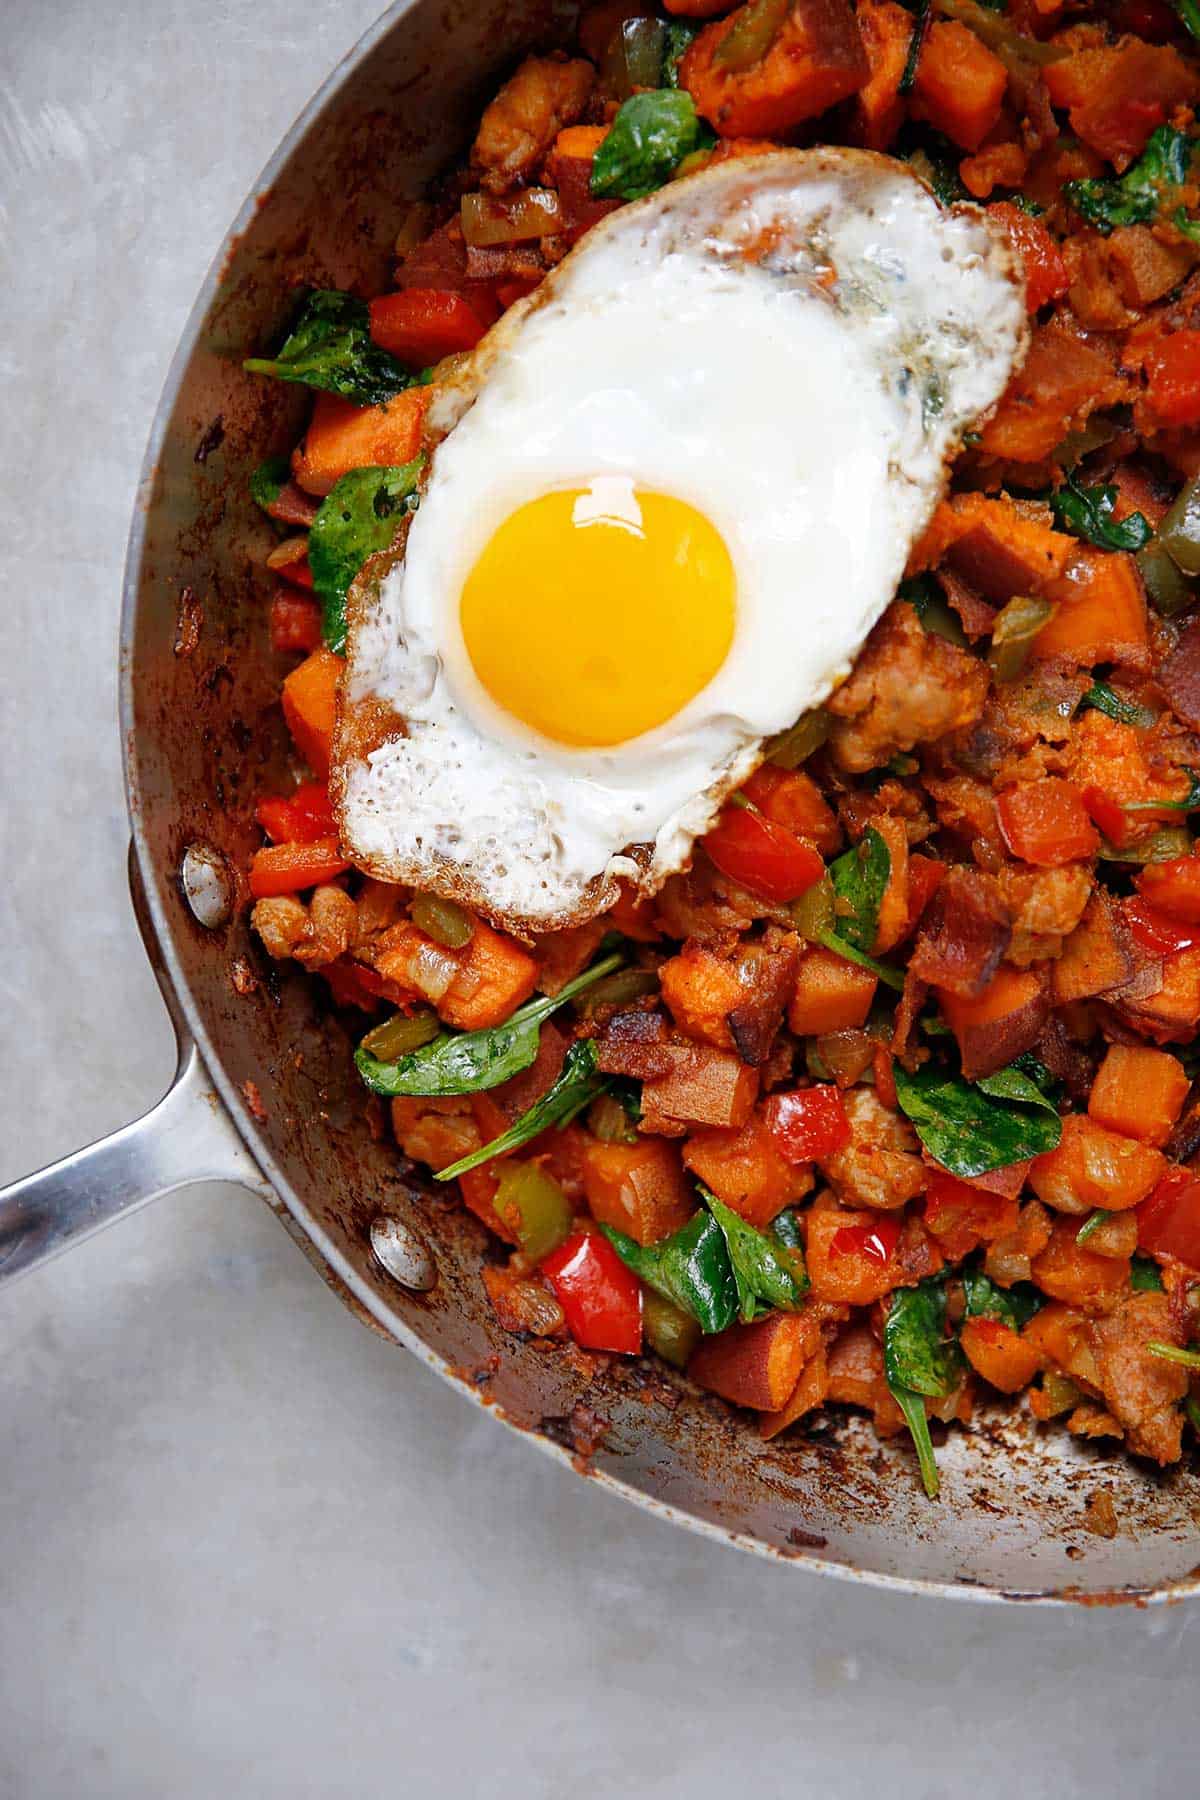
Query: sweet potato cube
(809, 1393)
(1100, 614)
(1093, 1167)
(745, 1170)
(342, 437)
(851, 1256)
(960, 84)
(995, 1351)
(754, 1365)
(998, 1024)
(815, 59)
(886, 29)
(495, 975)
(831, 994)
(1069, 1271)
(310, 707)
(1139, 1092)
(1096, 956)
(639, 1189)
(703, 1087)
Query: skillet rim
(232, 1099)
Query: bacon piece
(964, 936)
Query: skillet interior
(204, 736)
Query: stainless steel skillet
(265, 1093)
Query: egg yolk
(594, 615)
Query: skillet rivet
(402, 1255)
(207, 887)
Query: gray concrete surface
(245, 1548)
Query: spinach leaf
(1135, 197)
(1189, 15)
(1189, 803)
(577, 1085)
(268, 480)
(917, 1420)
(890, 977)
(680, 33)
(649, 138)
(919, 1359)
(1088, 513)
(1125, 712)
(331, 347)
(1013, 1306)
(1188, 1359)
(765, 1278)
(358, 519)
(860, 878)
(785, 1229)
(1015, 1083)
(971, 1128)
(469, 1062)
(938, 169)
(916, 44)
(1145, 1276)
(1028, 1064)
(692, 1269)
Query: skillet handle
(186, 1138)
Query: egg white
(806, 402)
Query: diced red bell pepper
(875, 1243)
(961, 1217)
(1157, 932)
(1044, 822)
(295, 621)
(298, 573)
(1169, 1221)
(808, 1123)
(1172, 887)
(1173, 379)
(299, 818)
(286, 868)
(1108, 816)
(353, 984)
(762, 856)
(421, 325)
(601, 1299)
(1046, 275)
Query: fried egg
(670, 494)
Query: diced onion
(533, 213)
(430, 969)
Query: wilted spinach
(971, 1127)
(1013, 1306)
(577, 1085)
(331, 347)
(1125, 712)
(1087, 511)
(1136, 197)
(268, 481)
(860, 879)
(764, 1277)
(680, 33)
(690, 1268)
(648, 139)
(469, 1062)
(919, 1359)
(355, 521)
